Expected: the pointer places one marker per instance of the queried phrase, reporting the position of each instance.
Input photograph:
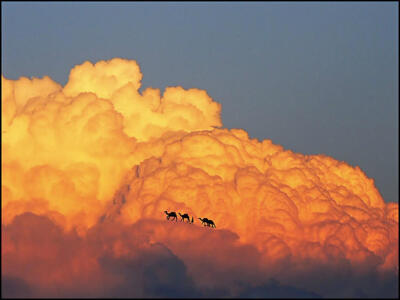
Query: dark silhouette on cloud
(210, 223)
(207, 222)
(171, 214)
(184, 216)
(203, 221)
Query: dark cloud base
(154, 259)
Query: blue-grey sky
(312, 77)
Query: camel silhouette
(192, 220)
(184, 216)
(171, 214)
(210, 223)
(203, 221)
(207, 222)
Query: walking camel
(184, 216)
(210, 223)
(172, 215)
(203, 221)
(207, 222)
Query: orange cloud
(89, 169)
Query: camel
(207, 222)
(192, 220)
(171, 214)
(210, 223)
(184, 216)
(203, 221)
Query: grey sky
(312, 77)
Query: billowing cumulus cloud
(89, 169)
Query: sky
(278, 121)
(312, 77)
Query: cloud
(152, 258)
(275, 290)
(14, 287)
(89, 169)
(153, 272)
